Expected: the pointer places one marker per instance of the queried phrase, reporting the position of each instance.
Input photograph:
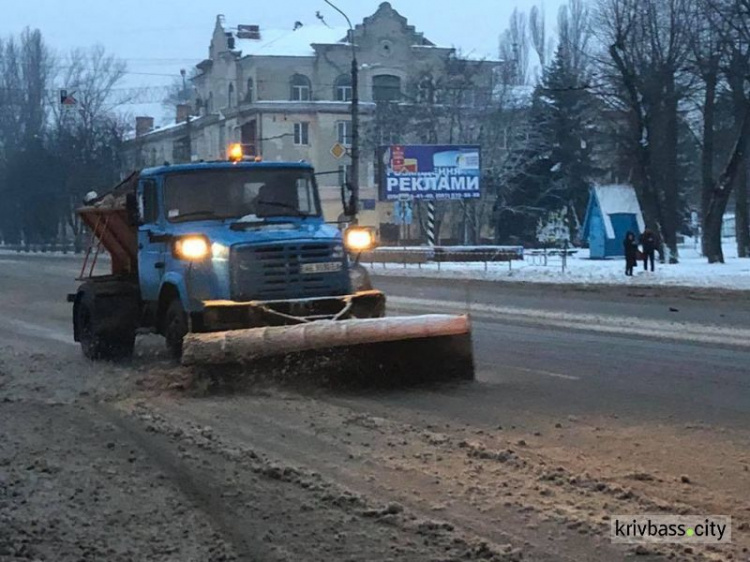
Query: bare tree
(538, 32)
(731, 20)
(86, 138)
(574, 30)
(707, 50)
(648, 46)
(514, 48)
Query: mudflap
(383, 352)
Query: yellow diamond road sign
(338, 150)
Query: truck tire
(175, 328)
(95, 344)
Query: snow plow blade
(404, 349)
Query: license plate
(325, 267)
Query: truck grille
(275, 272)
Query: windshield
(240, 193)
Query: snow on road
(692, 271)
(620, 325)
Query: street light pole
(187, 117)
(354, 179)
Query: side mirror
(131, 206)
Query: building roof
(618, 199)
(291, 43)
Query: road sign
(338, 150)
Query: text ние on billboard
(429, 172)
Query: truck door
(152, 242)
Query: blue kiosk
(611, 212)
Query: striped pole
(431, 223)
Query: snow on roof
(291, 43)
(615, 199)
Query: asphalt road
(525, 363)
(527, 366)
(624, 391)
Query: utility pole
(187, 117)
(354, 179)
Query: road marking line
(547, 373)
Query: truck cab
(221, 246)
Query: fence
(441, 256)
(420, 255)
(41, 248)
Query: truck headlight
(193, 248)
(359, 238)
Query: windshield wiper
(297, 212)
(193, 214)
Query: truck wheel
(176, 327)
(96, 346)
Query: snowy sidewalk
(692, 271)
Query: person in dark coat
(631, 251)
(648, 244)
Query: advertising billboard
(420, 171)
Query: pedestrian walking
(630, 244)
(648, 245)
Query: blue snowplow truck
(233, 262)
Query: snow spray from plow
(406, 349)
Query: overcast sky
(158, 37)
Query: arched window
(230, 95)
(250, 94)
(386, 87)
(300, 86)
(342, 88)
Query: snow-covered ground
(692, 271)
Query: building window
(344, 132)
(302, 133)
(210, 103)
(230, 95)
(300, 88)
(426, 91)
(250, 95)
(343, 88)
(386, 87)
(181, 150)
(469, 96)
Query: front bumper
(231, 315)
